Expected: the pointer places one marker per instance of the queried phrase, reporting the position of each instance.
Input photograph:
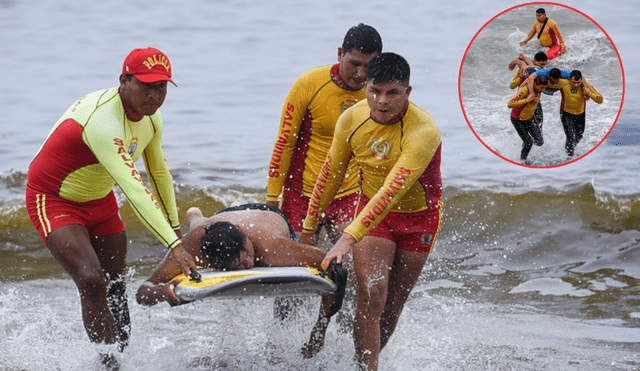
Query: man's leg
(112, 253)
(345, 317)
(372, 258)
(316, 340)
(294, 206)
(318, 333)
(538, 117)
(535, 133)
(527, 142)
(339, 215)
(334, 231)
(71, 247)
(568, 125)
(580, 123)
(406, 270)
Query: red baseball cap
(148, 65)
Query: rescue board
(554, 51)
(254, 282)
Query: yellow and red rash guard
(93, 146)
(552, 88)
(550, 35)
(308, 120)
(399, 166)
(573, 101)
(520, 108)
(516, 80)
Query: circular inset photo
(541, 85)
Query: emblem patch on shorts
(379, 149)
(426, 239)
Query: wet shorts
(48, 213)
(410, 231)
(295, 204)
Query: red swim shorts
(295, 204)
(410, 231)
(48, 213)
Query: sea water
(534, 268)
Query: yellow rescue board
(255, 282)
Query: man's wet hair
(364, 38)
(541, 80)
(577, 75)
(540, 57)
(386, 67)
(555, 73)
(540, 11)
(222, 243)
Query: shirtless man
(234, 238)
(526, 67)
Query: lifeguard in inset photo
(548, 34)
(575, 94)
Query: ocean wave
(593, 209)
(597, 210)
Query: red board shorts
(410, 231)
(49, 212)
(295, 204)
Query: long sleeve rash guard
(573, 101)
(399, 166)
(94, 146)
(308, 120)
(550, 36)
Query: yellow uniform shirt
(308, 120)
(550, 36)
(520, 108)
(94, 146)
(398, 166)
(573, 101)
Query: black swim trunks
(264, 207)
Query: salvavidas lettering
(283, 137)
(389, 193)
(318, 190)
(134, 172)
(78, 102)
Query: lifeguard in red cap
(70, 199)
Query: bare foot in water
(109, 361)
(316, 340)
(194, 216)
